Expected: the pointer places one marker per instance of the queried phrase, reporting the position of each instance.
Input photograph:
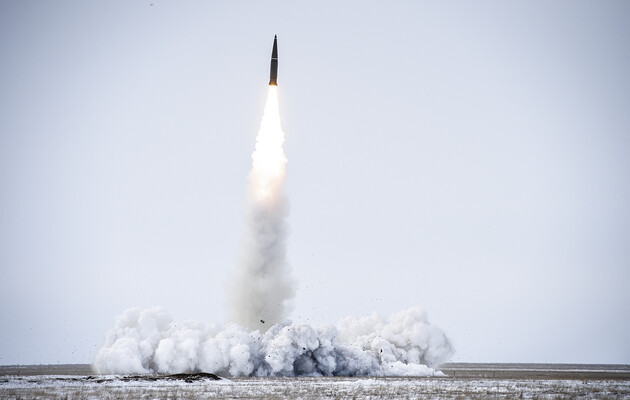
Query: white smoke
(146, 341)
(262, 285)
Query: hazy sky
(471, 158)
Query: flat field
(462, 381)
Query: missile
(273, 76)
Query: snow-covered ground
(113, 387)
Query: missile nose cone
(273, 76)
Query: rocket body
(273, 75)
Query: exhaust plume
(259, 341)
(262, 285)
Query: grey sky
(471, 158)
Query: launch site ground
(462, 380)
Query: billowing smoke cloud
(144, 341)
(262, 285)
(259, 341)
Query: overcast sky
(471, 158)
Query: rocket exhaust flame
(268, 160)
(262, 285)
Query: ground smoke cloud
(146, 341)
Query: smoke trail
(144, 341)
(262, 285)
